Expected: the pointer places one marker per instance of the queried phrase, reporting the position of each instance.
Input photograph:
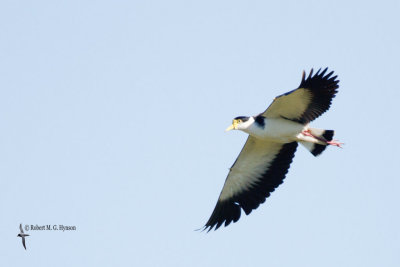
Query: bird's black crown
(243, 118)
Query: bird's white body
(278, 130)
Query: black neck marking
(260, 121)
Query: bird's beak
(230, 128)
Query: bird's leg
(308, 133)
(332, 142)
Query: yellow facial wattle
(233, 126)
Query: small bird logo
(22, 235)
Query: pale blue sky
(112, 118)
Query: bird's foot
(335, 143)
(332, 142)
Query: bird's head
(240, 123)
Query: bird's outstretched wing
(20, 228)
(308, 102)
(23, 242)
(260, 168)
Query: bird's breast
(278, 130)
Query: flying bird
(22, 235)
(273, 137)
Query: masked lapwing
(273, 137)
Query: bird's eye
(239, 121)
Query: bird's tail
(322, 138)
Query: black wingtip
(224, 212)
(311, 72)
(323, 72)
(318, 76)
(303, 76)
(323, 88)
(202, 229)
